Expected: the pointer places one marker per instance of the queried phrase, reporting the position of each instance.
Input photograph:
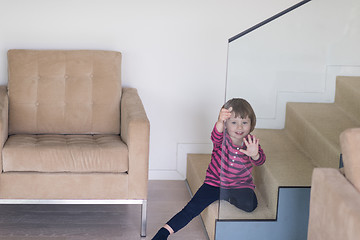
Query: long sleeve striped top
(235, 171)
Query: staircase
(310, 139)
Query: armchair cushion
(65, 153)
(64, 92)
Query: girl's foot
(162, 234)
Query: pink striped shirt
(235, 171)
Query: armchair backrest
(350, 147)
(64, 92)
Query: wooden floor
(90, 222)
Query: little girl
(228, 176)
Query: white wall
(296, 58)
(174, 53)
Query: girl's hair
(242, 109)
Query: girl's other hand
(252, 147)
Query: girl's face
(238, 128)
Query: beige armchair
(70, 133)
(335, 198)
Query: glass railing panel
(288, 59)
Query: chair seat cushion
(65, 153)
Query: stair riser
(310, 141)
(209, 216)
(347, 97)
(266, 186)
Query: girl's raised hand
(252, 147)
(224, 114)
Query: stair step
(316, 128)
(286, 166)
(348, 95)
(196, 172)
(310, 139)
(278, 171)
(197, 165)
(287, 163)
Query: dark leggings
(243, 198)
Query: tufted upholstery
(66, 92)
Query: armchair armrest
(334, 207)
(4, 107)
(135, 132)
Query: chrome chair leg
(143, 218)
